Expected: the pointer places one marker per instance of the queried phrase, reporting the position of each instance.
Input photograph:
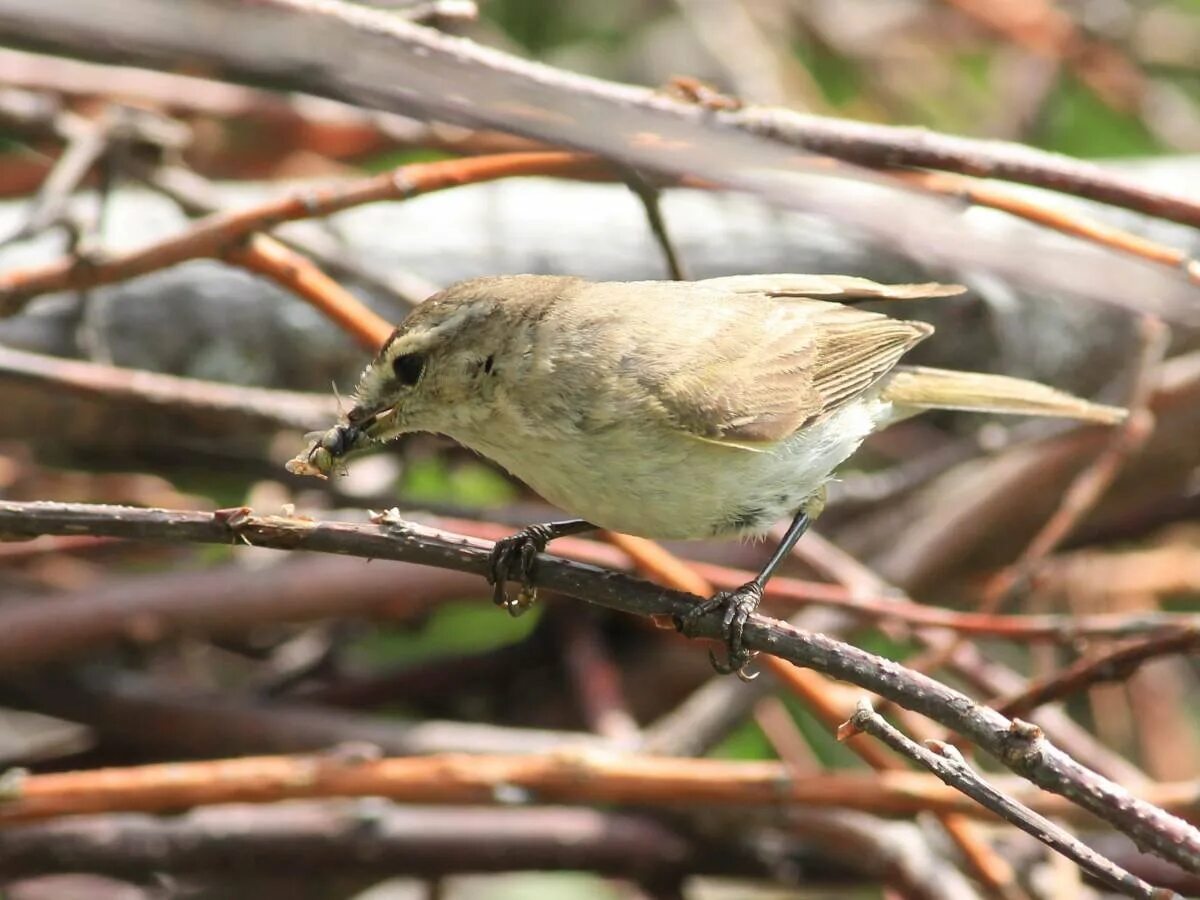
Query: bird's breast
(641, 477)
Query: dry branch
(1020, 746)
(947, 763)
(220, 234)
(1115, 665)
(323, 838)
(567, 776)
(372, 58)
(257, 407)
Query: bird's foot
(515, 559)
(738, 606)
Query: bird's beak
(374, 422)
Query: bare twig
(651, 200)
(596, 680)
(223, 233)
(1115, 665)
(82, 153)
(1090, 484)
(947, 763)
(818, 693)
(267, 407)
(327, 837)
(195, 195)
(563, 776)
(1074, 224)
(1020, 746)
(176, 722)
(402, 67)
(265, 255)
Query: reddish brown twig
(1090, 484)
(222, 233)
(820, 695)
(582, 777)
(1084, 490)
(597, 681)
(1115, 665)
(1071, 223)
(294, 271)
(947, 763)
(1020, 746)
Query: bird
(665, 409)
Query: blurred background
(122, 653)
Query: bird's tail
(919, 387)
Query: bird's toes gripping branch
(514, 558)
(738, 605)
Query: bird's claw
(738, 605)
(515, 559)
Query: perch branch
(1020, 746)
(947, 764)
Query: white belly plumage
(669, 485)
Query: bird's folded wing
(775, 367)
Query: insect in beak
(326, 448)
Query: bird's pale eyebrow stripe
(391, 340)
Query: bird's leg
(515, 559)
(740, 603)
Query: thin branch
(174, 722)
(83, 151)
(322, 838)
(650, 197)
(263, 407)
(565, 776)
(195, 195)
(947, 763)
(401, 67)
(293, 271)
(1074, 224)
(1089, 485)
(222, 233)
(784, 593)
(596, 679)
(819, 695)
(1020, 746)
(1115, 665)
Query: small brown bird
(664, 409)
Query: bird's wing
(776, 365)
(842, 288)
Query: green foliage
(746, 742)
(1078, 123)
(838, 77)
(452, 628)
(471, 484)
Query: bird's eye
(408, 367)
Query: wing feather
(830, 287)
(779, 364)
